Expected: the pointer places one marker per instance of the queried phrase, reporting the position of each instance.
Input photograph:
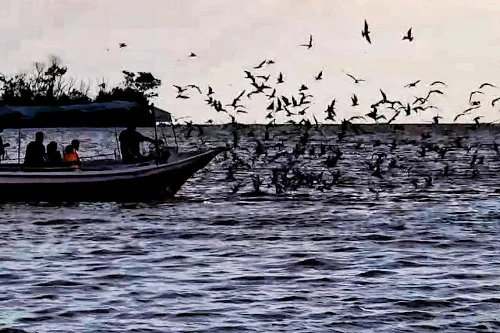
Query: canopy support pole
(157, 146)
(19, 147)
(117, 145)
(175, 136)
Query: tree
(137, 87)
(48, 84)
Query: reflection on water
(343, 259)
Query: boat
(99, 180)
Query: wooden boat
(104, 180)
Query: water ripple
(329, 260)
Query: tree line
(49, 84)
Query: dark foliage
(48, 84)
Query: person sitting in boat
(35, 152)
(130, 141)
(71, 157)
(54, 158)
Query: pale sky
(456, 41)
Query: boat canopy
(107, 114)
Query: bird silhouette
(280, 78)
(473, 93)
(310, 44)
(408, 36)
(194, 87)
(412, 85)
(476, 120)
(465, 112)
(384, 96)
(355, 80)
(319, 76)
(437, 82)
(122, 45)
(433, 92)
(436, 119)
(366, 33)
(180, 89)
(354, 100)
(487, 85)
(260, 65)
(192, 55)
(494, 101)
(210, 91)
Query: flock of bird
(284, 160)
(299, 104)
(317, 163)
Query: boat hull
(131, 184)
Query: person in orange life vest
(71, 157)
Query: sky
(456, 41)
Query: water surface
(339, 259)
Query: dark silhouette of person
(2, 146)
(54, 158)
(71, 156)
(130, 141)
(35, 152)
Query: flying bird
(271, 106)
(192, 55)
(366, 33)
(472, 94)
(354, 100)
(476, 120)
(412, 85)
(122, 45)
(494, 101)
(433, 92)
(438, 82)
(260, 65)
(465, 112)
(280, 78)
(355, 80)
(194, 87)
(310, 44)
(384, 97)
(408, 36)
(180, 90)
(319, 76)
(436, 119)
(487, 85)
(210, 91)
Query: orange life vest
(72, 160)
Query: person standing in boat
(35, 152)
(130, 141)
(2, 146)
(71, 157)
